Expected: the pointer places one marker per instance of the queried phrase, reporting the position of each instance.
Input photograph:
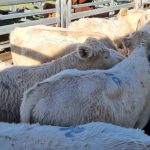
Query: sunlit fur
(39, 44)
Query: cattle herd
(96, 70)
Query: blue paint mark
(65, 128)
(109, 74)
(114, 78)
(71, 131)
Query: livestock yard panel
(100, 11)
(7, 28)
(14, 2)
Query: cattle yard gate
(64, 15)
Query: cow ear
(123, 12)
(127, 42)
(84, 52)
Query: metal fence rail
(8, 28)
(90, 4)
(64, 8)
(25, 14)
(4, 46)
(31, 13)
(14, 2)
(100, 11)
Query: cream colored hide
(119, 95)
(92, 136)
(131, 17)
(114, 29)
(144, 21)
(39, 44)
(92, 54)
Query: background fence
(63, 11)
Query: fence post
(63, 9)
(13, 8)
(138, 4)
(68, 13)
(112, 12)
(58, 13)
